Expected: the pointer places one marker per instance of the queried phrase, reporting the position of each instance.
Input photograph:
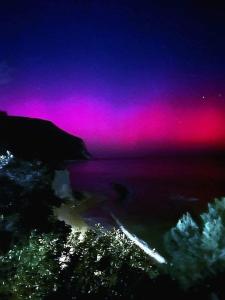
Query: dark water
(157, 190)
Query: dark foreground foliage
(26, 199)
(43, 258)
(93, 265)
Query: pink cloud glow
(105, 127)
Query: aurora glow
(128, 77)
(133, 128)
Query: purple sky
(128, 77)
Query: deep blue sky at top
(124, 46)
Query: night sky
(127, 76)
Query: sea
(148, 195)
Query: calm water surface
(159, 190)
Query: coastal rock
(30, 138)
(61, 185)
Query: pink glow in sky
(107, 128)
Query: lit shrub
(5, 159)
(30, 271)
(97, 263)
(104, 263)
(197, 249)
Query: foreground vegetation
(196, 251)
(43, 258)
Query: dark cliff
(30, 138)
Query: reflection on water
(159, 189)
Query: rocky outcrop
(30, 138)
